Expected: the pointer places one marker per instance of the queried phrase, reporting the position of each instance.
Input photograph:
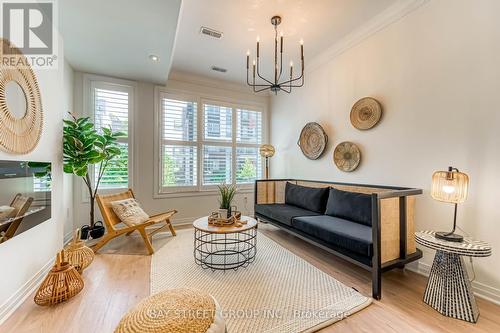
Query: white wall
(190, 207)
(24, 256)
(437, 74)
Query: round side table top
(202, 224)
(469, 247)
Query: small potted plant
(82, 148)
(227, 193)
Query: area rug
(278, 293)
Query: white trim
(480, 289)
(390, 15)
(90, 80)
(18, 298)
(201, 98)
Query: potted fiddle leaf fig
(227, 193)
(84, 147)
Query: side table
(449, 289)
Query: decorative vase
(62, 283)
(79, 255)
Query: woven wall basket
(19, 135)
(312, 141)
(366, 113)
(62, 283)
(347, 156)
(78, 254)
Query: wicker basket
(62, 283)
(78, 254)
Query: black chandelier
(276, 85)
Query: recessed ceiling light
(154, 57)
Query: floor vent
(211, 32)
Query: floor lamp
(267, 151)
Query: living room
(249, 166)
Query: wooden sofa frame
(393, 231)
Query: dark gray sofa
(344, 219)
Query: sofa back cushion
(356, 207)
(310, 198)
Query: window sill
(203, 193)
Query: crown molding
(387, 17)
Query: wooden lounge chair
(111, 220)
(21, 205)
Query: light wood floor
(119, 278)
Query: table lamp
(450, 186)
(266, 151)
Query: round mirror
(15, 99)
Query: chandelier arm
(258, 74)
(259, 90)
(287, 91)
(292, 80)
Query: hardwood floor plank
(120, 278)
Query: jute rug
(278, 293)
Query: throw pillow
(356, 207)
(310, 198)
(129, 212)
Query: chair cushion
(310, 198)
(338, 232)
(356, 207)
(282, 212)
(129, 211)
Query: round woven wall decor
(346, 156)
(312, 141)
(366, 113)
(19, 135)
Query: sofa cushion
(281, 212)
(309, 198)
(356, 207)
(338, 232)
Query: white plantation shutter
(201, 147)
(217, 165)
(111, 110)
(179, 150)
(249, 126)
(218, 122)
(248, 165)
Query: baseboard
(24, 292)
(28, 288)
(481, 290)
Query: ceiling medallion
(275, 84)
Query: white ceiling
(116, 37)
(321, 23)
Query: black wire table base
(225, 251)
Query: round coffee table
(225, 248)
(448, 288)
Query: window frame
(202, 100)
(90, 82)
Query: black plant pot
(84, 232)
(97, 231)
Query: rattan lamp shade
(450, 186)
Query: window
(179, 151)
(206, 143)
(111, 108)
